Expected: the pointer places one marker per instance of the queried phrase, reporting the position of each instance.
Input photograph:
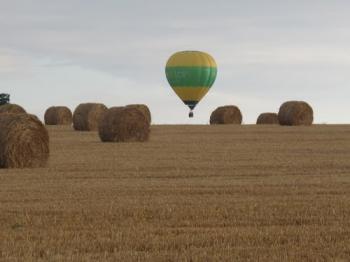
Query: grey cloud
(266, 50)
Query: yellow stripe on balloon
(190, 93)
(190, 58)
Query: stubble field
(192, 193)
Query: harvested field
(192, 193)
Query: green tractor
(4, 99)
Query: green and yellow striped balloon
(191, 74)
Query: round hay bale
(123, 124)
(87, 116)
(295, 113)
(267, 119)
(226, 115)
(24, 141)
(58, 115)
(144, 109)
(11, 109)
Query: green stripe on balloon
(191, 76)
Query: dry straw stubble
(12, 109)
(226, 115)
(58, 115)
(267, 119)
(123, 124)
(87, 116)
(295, 113)
(24, 141)
(191, 192)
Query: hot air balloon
(191, 74)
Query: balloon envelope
(191, 74)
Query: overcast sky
(114, 51)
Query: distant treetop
(4, 99)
